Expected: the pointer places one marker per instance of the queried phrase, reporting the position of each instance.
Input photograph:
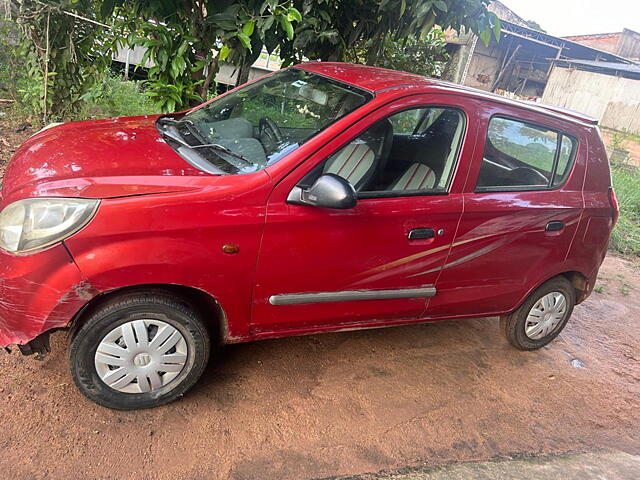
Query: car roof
(376, 79)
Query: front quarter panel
(39, 292)
(178, 239)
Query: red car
(322, 197)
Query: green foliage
(424, 56)
(625, 238)
(185, 41)
(115, 97)
(171, 84)
(536, 26)
(10, 64)
(332, 28)
(189, 39)
(62, 55)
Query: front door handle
(421, 233)
(554, 226)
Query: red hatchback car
(322, 197)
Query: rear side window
(523, 156)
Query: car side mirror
(328, 191)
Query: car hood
(98, 159)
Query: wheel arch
(580, 284)
(578, 280)
(209, 307)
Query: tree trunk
(376, 50)
(243, 73)
(214, 66)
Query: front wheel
(139, 351)
(542, 316)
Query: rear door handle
(554, 226)
(421, 233)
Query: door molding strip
(350, 296)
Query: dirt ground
(12, 134)
(628, 143)
(347, 403)
(343, 403)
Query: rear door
(523, 203)
(379, 261)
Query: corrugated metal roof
(509, 28)
(633, 69)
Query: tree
(426, 55)
(535, 25)
(187, 39)
(330, 29)
(62, 54)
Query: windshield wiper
(227, 151)
(195, 131)
(213, 146)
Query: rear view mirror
(328, 191)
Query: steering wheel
(267, 129)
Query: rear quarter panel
(592, 238)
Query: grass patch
(115, 97)
(625, 238)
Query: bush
(11, 71)
(115, 97)
(625, 238)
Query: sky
(576, 17)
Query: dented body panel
(39, 293)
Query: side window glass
(522, 156)
(567, 152)
(405, 123)
(429, 119)
(413, 151)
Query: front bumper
(39, 292)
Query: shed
(607, 91)
(521, 62)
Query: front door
(378, 261)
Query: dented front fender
(39, 292)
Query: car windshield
(255, 126)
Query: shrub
(115, 97)
(625, 238)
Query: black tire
(514, 326)
(158, 306)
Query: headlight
(34, 223)
(51, 125)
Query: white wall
(614, 101)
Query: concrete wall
(624, 44)
(484, 66)
(227, 74)
(135, 55)
(629, 44)
(607, 42)
(505, 13)
(615, 101)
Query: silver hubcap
(141, 356)
(545, 315)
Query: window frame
(532, 188)
(403, 193)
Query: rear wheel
(139, 351)
(542, 316)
